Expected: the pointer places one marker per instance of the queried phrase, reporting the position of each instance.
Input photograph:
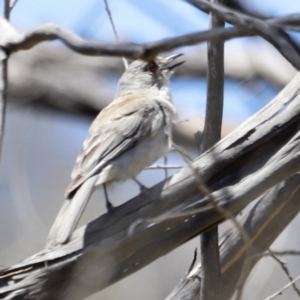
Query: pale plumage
(118, 128)
(127, 136)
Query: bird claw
(109, 207)
(144, 190)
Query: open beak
(169, 66)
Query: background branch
(114, 30)
(269, 30)
(279, 292)
(14, 41)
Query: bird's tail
(69, 215)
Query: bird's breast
(133, 161)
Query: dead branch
(266, 147)
(285, 269)
(263, 223)
(13, 41)
(102, 252)
(282, 253)
(279, 292)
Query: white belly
(132, 162)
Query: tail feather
(69, 215)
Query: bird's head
(146, 77)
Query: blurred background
(54, 94)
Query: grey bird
(127, 136)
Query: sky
(156, 18)
(142, 21)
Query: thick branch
(263, 224)
(136, 233)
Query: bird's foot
(109, 207)
(108, 204)
(143, 189)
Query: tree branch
(263, 224)
(210, 258)
(285, 270)
(279, 292)
(269, 30)
(14, 41)
(3, 83)
(103, 252)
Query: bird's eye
(153, 67)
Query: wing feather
(119, 127)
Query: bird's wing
(118, 128)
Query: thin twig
(226, 214)
(12, 3)
(279, 292)
(285, 270)
(115, 30)
(183, 153)
(193, 262)
(189, 277)
(4, 58)
(166, 163)
(147, 51)
(271, 32)
(164, 167)
(188, 119)
(279, 253)
(50, 32)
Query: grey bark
(210, 257)
(263, 224)
(112, 247)
(145, 228)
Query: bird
(127, 136)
